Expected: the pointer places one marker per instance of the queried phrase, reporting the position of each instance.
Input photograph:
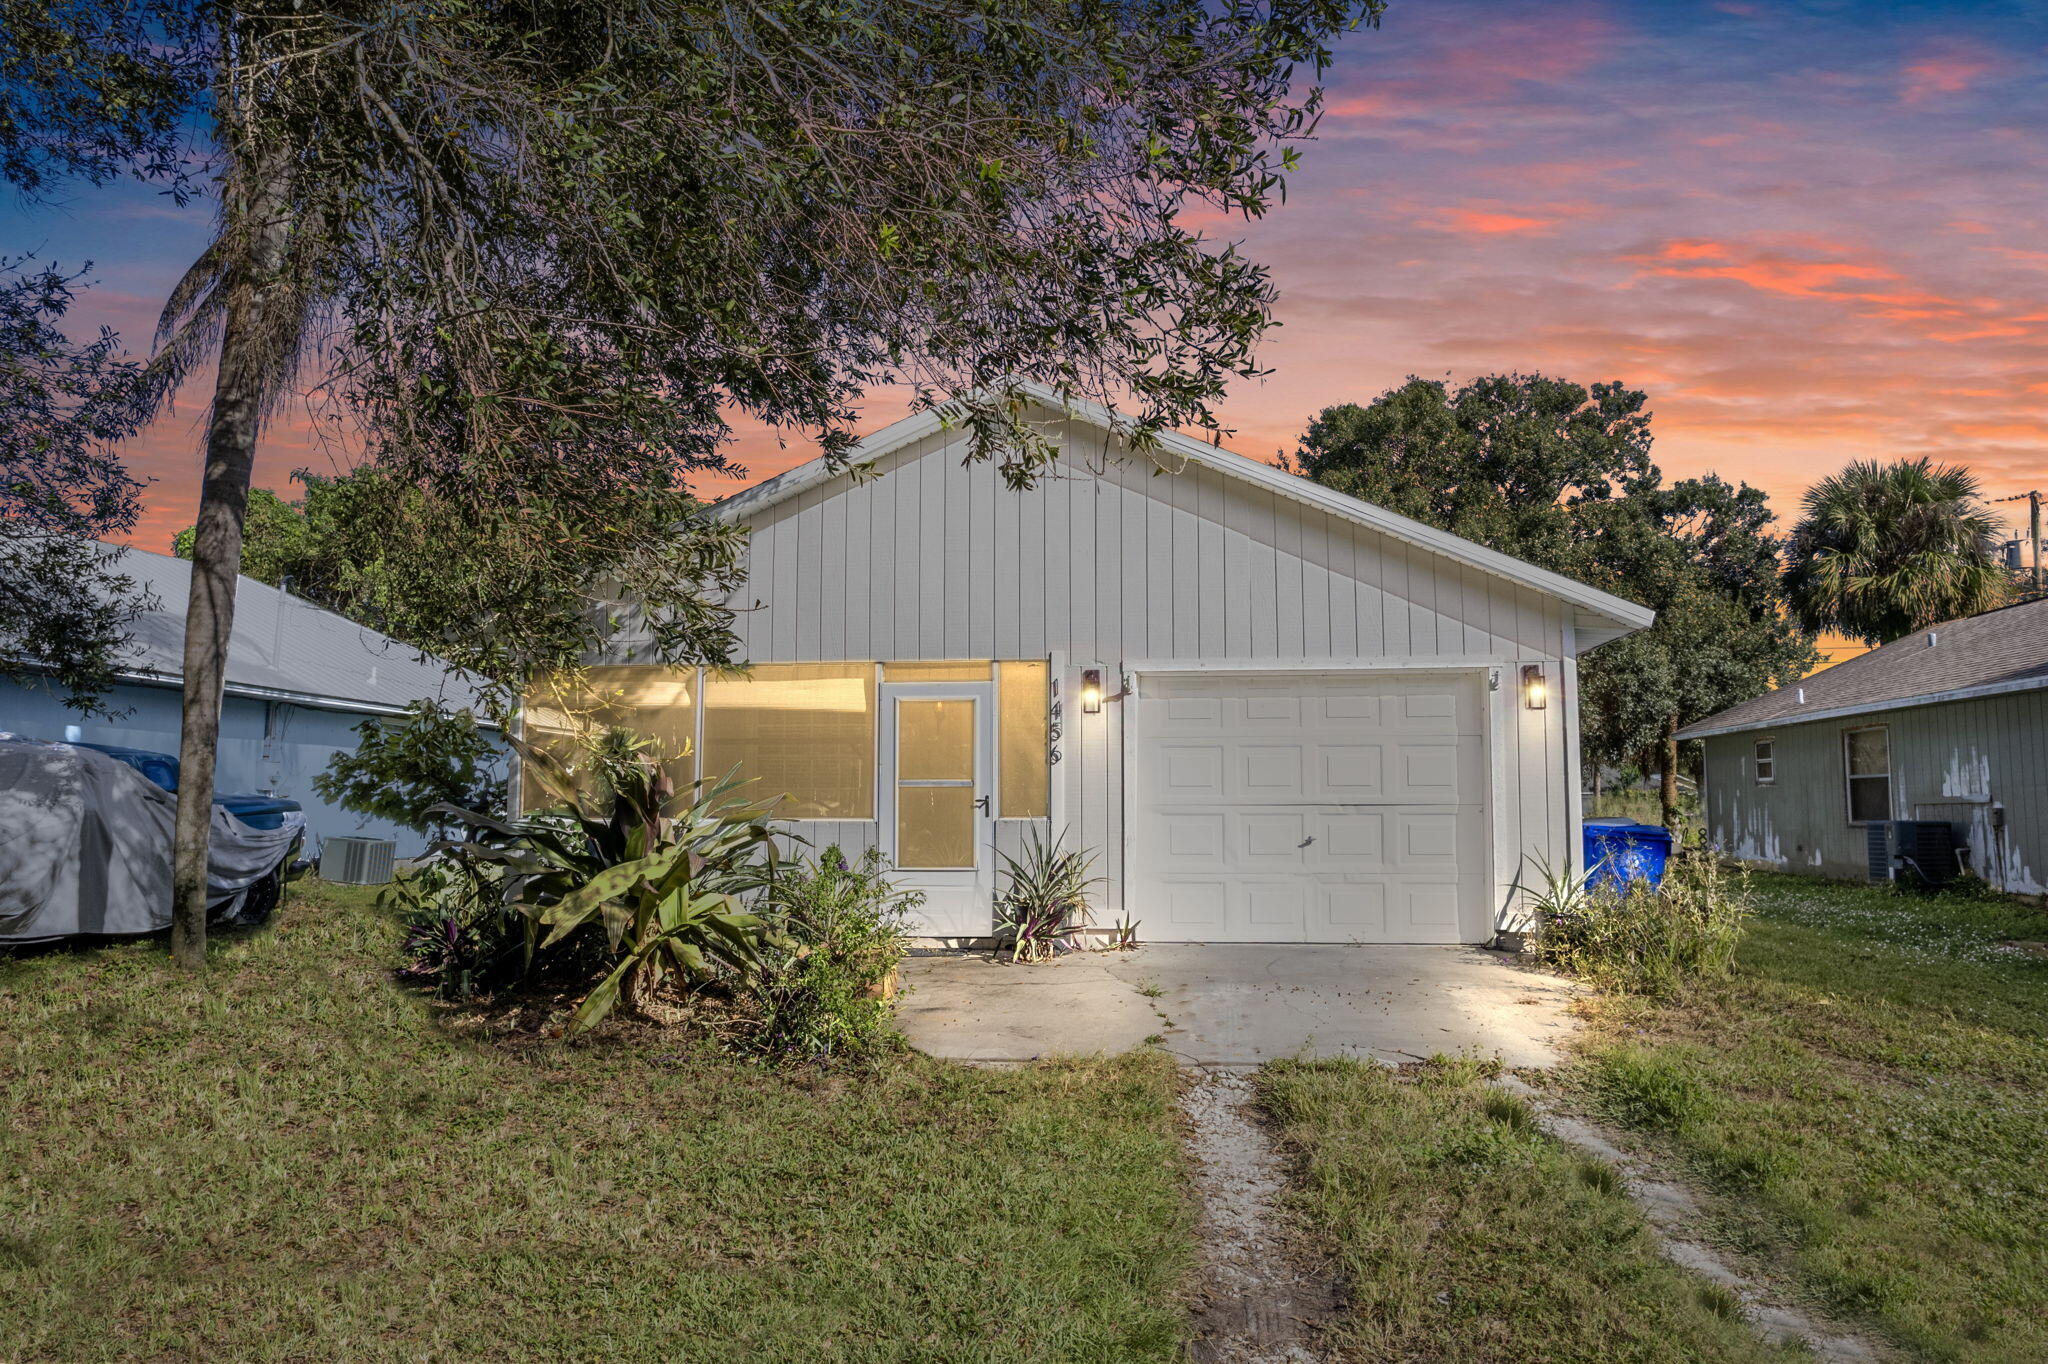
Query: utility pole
(2033, 498)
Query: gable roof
(1602, 617)
(282, 648)
(2000, 651)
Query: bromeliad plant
(667, 888)
(1045, 900)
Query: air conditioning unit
(357, 861)
(1919, 850)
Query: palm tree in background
(1883, 550)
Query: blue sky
(1814, 232)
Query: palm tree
(1883, 550)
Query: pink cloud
(1950, 71)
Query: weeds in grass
(1641, 1088)
(1862, 1100)
(1643, 939)
(1467, 1236)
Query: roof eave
(310, 700)
(1708, 729)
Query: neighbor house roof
(1605, 615)
(2000, 651)
(282, 648)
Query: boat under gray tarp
(85, 846)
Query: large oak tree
(538, 254)
(1560, 474)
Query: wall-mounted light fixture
(1091, 691)
(1535, 691)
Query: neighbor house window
(1023, 700)
(567, 714)
(1766, 764)
(1868, 757)
(802, 731)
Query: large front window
(801, 731)
(802, 735)
(566, 716)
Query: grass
(1468, 1237)
(1867, 1097)
(296, 1160)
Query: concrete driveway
(1237, 1005)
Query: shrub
(666, 889)
(401, 770)
(461, 938)
(1045, 900)
(838, 932)
(1644, 940)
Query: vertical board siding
(1112, 562)
(1956, 762)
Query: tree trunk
(238, 399)
(1668, 764)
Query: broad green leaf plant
(667, 878)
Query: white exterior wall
(1116, 564)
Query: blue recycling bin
(1619, 851)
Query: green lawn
(1868, 1097)
(296, 1160)
(1470, 1238)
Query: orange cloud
(1766, 270)
(1483, 223)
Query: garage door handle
(1306, 841)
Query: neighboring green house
(1949, 724)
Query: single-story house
(1268, 711)
(1949, 725)
(299, 680)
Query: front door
(937, 826)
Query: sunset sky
(1812, 231)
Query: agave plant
(1045, 900)
(667, 880)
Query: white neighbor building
(1273, 712)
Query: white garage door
(1338, 807)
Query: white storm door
(937, 777)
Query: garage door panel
(1194, 838)
(1350, 911)
(1427, 773)
(1348, 707)
(1190, 772)
(1273, 839)
(1436, 711)
(1276, 911)
(1427, 840)
(1272, 710)
(1429, 910)
(1353, 772)
(1190, 910)
(1349, 841)
(1308, 807)
(1269, 772)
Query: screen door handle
(983, 803)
